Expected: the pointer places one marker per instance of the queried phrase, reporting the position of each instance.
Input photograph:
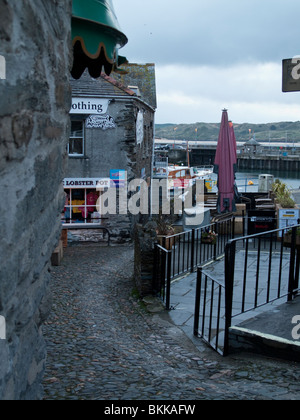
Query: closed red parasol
(225, 166)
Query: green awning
(96, 37)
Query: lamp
(96, 37)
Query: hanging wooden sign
(291, 75)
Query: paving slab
(272, 320)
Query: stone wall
(34, 124)
(144, 239)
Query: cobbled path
(104, 345)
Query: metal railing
(182, 253)
(162, 274)
(276, 259)
(210, 307)
(266, 271)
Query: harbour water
(292, 179)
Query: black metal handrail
(162, 274)
(263, 251)
(273, 243)
(210, 304)
(182, 253)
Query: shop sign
(105, 122)
(288, 218)
(86, 183)
(260, 221)
(96, 106)
(118, 178)
(291, 75)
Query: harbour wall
(262, 162)
(268, 163)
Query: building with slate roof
(111, 142)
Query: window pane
(76, 146)
(81, 207)
(76, 143)
(77, 129)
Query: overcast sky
(211, 54)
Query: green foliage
(287, 202)
(164, 226)
(283, 195)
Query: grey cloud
(213, 32)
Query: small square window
(81, 207)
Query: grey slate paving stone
(103, 344)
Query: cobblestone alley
(104, 345)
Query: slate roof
(104, 86)
(140, 75)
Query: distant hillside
(277, 131)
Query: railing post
(155, 268)
(162, 285)
(193, 251)
(292, 265)
(297, 273)
(215, 250)
(233, 228)
(168, 291)
(216, 230)
(197, 302)
(229, 282)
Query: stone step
(273, 333)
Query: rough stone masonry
(35, 41)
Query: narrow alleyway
(104, 345)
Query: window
(76, 143)
(81, 207)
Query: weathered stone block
(145, 237)
(34, 128)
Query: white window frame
(70, 206)
(74, 155)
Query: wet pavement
(104, 344)
(183, 291)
